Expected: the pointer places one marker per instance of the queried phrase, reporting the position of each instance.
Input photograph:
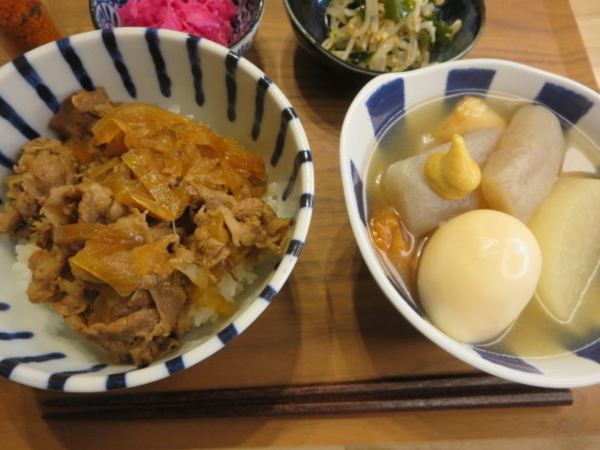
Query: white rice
(24, 250)
(175, 108)
(229, 288)
(270, 198)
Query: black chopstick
(426, 393)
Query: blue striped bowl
(163, 67)
(380, 103)
(104, 14)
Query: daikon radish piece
(566, 228)
(519, 175)
(421, 209)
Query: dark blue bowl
(308, 20)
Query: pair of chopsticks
(400, 394)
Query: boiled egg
(477, 273)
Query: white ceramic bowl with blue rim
(386, 98)
(164, 68)
(104, 14)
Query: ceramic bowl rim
(375, 266)
(256, 17)
(31, 375)
(368, 72)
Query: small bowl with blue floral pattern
(105, 14)
(166, 69)
(541, 350)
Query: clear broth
(535, 333)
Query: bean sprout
(387, 35)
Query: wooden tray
(330, 322)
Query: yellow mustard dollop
(470, 114)
(452, 174)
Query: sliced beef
(153, 349)
(74, 299)
(12, 222)
(211, 198)
(169, 298)
(246, 225)
(127, 338)
(208, 249)
(139, 328)
(79, 112)
(254, 223)
(48, 162)
(81, 203)
(46, 267)
(45, 164)
(135, 223)
(108, 306)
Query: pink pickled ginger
(210, 19)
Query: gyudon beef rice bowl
(139, 224)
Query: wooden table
(331, 322)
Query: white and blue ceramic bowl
(104, 14)
(380, 103)
(165, 68)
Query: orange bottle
(26, 24)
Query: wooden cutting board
(330, 322)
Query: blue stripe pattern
(469, 80)
(512, 362)
(74, 62)
(566, 103)
(8, 365)
(287, 115)
(116, 381)
(385, 104)
(57, 381)
(268, 293)
(591, 352)
(303, 156)
(17, 335)
(192, 44)
(5, 161)
(175, 365)
(358, 192)
(231, 63)
(228, 334)
(110, 42)
(307, 200)
(35, 81)
(259, 105)
(164, 81)
(294, 248)
(9, 114)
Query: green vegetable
(443, 31)
(356, 4)
(397, 10)
(408, 5)
(359, 7)
(360, 56)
